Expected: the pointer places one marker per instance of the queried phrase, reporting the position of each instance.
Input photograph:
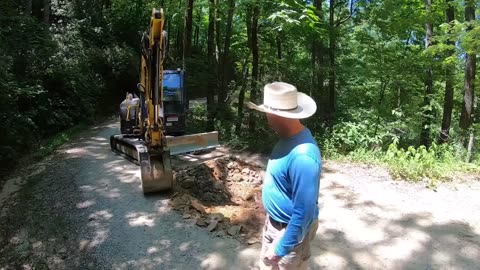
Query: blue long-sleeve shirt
(291, 186)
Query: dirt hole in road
(222, 195)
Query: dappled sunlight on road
(88, 212)
(140, 219)
(375, 232)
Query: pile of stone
(222, 195)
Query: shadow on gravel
(400, 241)
(86, 210)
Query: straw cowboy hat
(284, 100)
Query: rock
(185, 216)
(217, 216)
(201, 222)
(188, 183)
(234, 230)
(180, 202)
(246, 171)
(237, 178)
(37, 245)
(208, 196)
(199, 207)
(248, 196)
(212, 226)
(253, 240)
(217, 185)
(220, 234)
(230, 165)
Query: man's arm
(304, 172)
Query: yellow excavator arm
(148, 145)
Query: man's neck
(293, 128)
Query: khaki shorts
(296, 259)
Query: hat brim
(306, 108)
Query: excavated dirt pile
(222, 195)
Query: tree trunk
(179, 38)
(169, 26)
(427, 113)
(197, 31)
(226, 54)
(46, 12)
(314, 67)
(449, 77)
(218, 57)
(187, 43)
(211, 67)
(317, 57)
(383, 87)
(331, 55)
(241, 96)
(217, 32)
(279, 47)
(253, 90)
(466, 117)
(197, 35)
(28, 7)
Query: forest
(394, 80)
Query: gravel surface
(83, 208)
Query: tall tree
(331, 56)
(428, 92)
(466, 117)
(334, 30)
(28, 7)
(211, 66)
(241, 95)
(46, 12)
(449, 75)
(226, 53)
(218, 53)
(318, 63)
(187, 43)
(255, 55)
(180, 37)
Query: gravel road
(83, 208)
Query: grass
(434, 165)
(50, 145)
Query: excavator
(143, 137)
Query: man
(292, 179)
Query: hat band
(277, 109)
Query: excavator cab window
(174, 99)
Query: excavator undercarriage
(144, 140)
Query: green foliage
(417, 163)
(80, 66)
(52, 144)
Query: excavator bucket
(156, 172)
(155, 167)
